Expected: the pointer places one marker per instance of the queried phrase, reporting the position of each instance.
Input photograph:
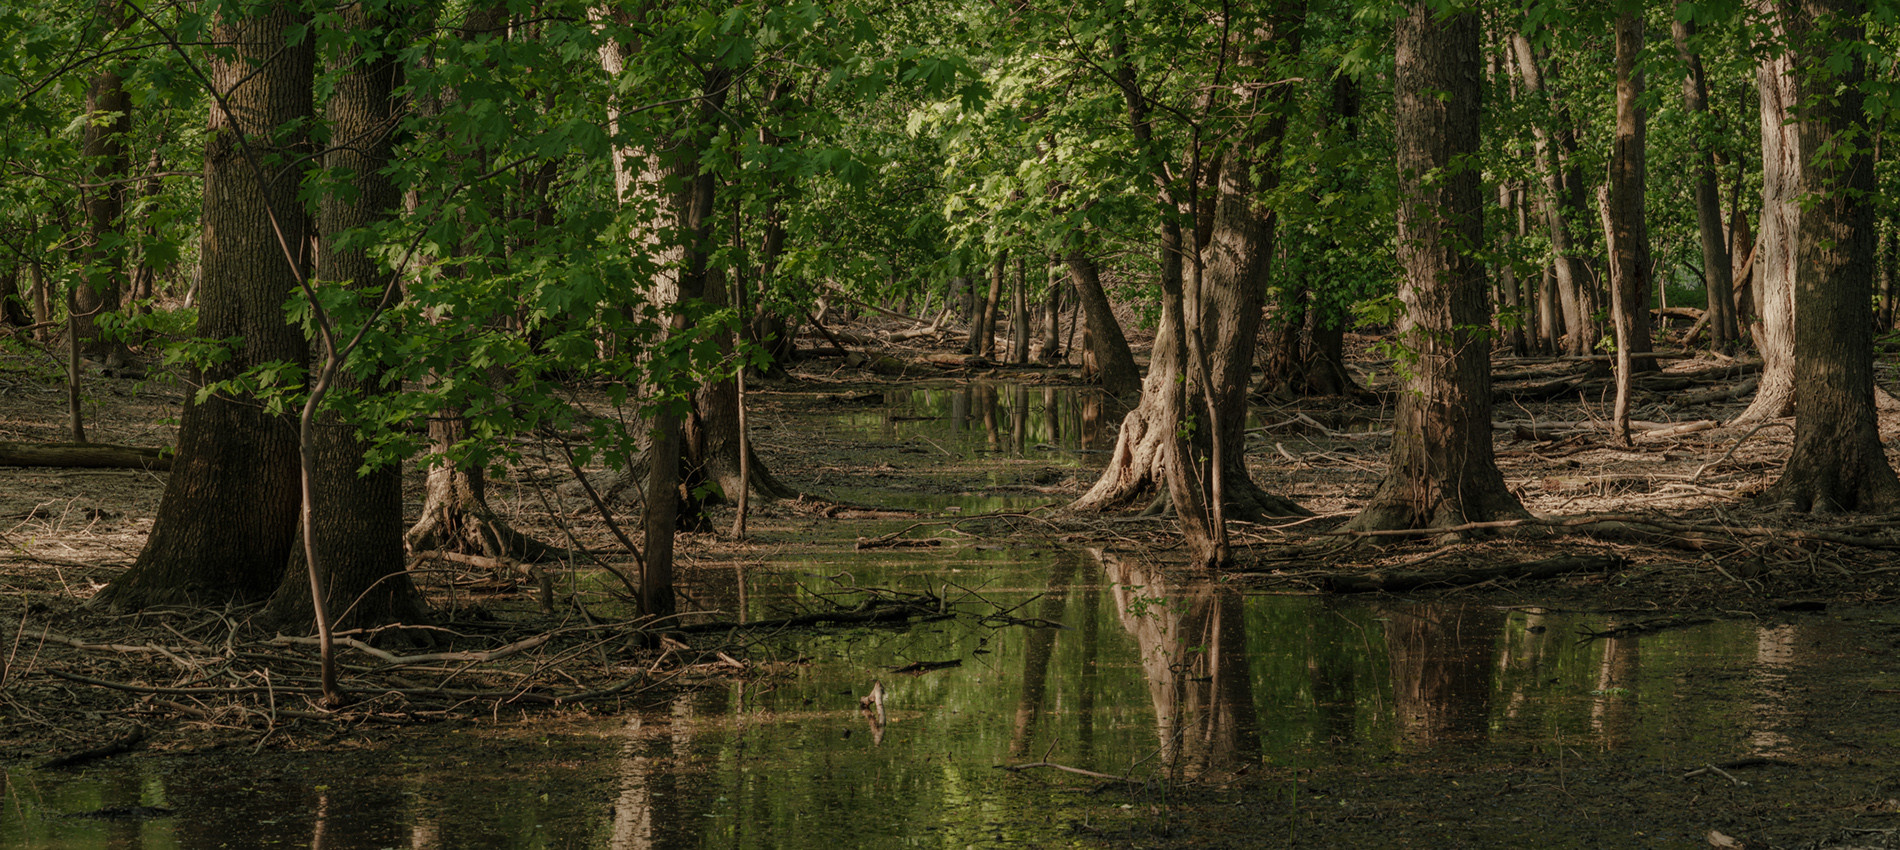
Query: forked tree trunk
(1775, 247)
(358, 518)
(1442, 471)
(1838, 463)
(227, 522)
(1201, 370)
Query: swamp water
(1077, 658)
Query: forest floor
(1671, 519)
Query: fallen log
(1394, 582)
(84, 455)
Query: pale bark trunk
(1561, 199)
(1776, 245)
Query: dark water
(1143, 677)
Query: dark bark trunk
(1628, 230)
(1838, 463)
(1708, 205)
(108, 118)
(1114, 362)
(1050, 350)
(227, 522)
(1019, 314)
(357, 519)
(1442, 471)
(1511, 295)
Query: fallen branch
(84, 456)
(1374, 582)
(128, 741)
(1107, 777)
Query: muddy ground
(1676, 510)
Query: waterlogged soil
(1732, 683)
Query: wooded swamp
(937, 658)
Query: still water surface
(1131, 675)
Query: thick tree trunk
(1775, 249)
(227, 522)
(1708, 205)
(1203, 353)
(1623, 224)
(357, 519)
(1443, 471)
(1838, 463)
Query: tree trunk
(1562, 198)
(1019, 314)
(1708, 205)
(227, 522)
(108, 118)
(983, 338)
(1512, 295)
(1838, 463)
(1114, 362)
(1443, 471)
(1776, 246)
(1623, 224)
(455, 513)
(1050, 351)
(357, 518)
(1203, 353)
(1628, 233)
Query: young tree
(1442, 471)
(1838, 463)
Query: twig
(1107, 777)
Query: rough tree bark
(227, 522)
(108, 118)
(1623, 223)
(1442, 471)
(359, 539)
(1838, 463)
